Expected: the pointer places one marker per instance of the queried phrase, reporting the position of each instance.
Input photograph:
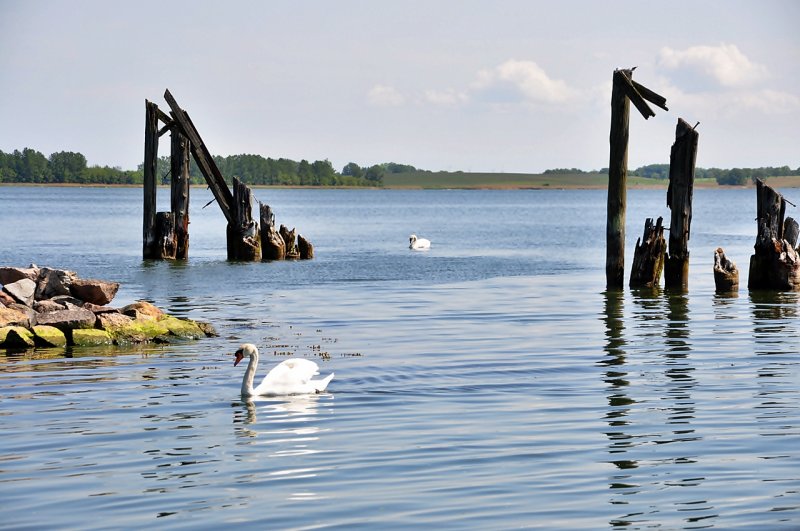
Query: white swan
(289, 377)
(418, 244)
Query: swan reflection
(281, 419)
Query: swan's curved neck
(249, 374)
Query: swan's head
(247, 349)
(412, 238)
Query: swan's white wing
(289, 376)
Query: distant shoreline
(501, 182)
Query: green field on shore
(464, 180)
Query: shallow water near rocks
(490, 382)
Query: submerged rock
(17, 337)
(49, 336)
(91, 338)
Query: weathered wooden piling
(648, 257)
(244, 240)
(776, 263)
(624, 91)
(150, 238)
(679, 199)
(290, 239)
(162, 240)
(726, 275)
(179, 198)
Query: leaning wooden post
(244, 241)
(624, 91)
(679, 199)
(179, 200)
(150, 237)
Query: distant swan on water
(289, 377)
(418, 244)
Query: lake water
(489, 383)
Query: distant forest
(733, 176)
(31, 166)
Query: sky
(482, 86)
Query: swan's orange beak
(239, 357)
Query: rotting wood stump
(244, 240)
(272, 245)
(726, 275)
(648, 257)
(775, 265)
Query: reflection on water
(664, 377)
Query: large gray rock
(53, 282)
(9, 275)
(49, 305)
(22, 290)
(68, 319)
(99, 292)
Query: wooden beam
(626, 84)
(649, 95)
(203, 158)
(164, 117)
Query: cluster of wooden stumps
(776, 262)
(166, 234)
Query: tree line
(733, 176)
(31, 166)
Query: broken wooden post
(776, 263)
(244, 241)
(272, 245)
(624, 91)
(165, 227)
(726, 275)
(179, 199)
(150, 238)
(305, 248)
(648, 257)
(679, 199)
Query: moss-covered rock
(17, 337)
(49, 336)
(182, 328)
(86, 337)
(138, 332)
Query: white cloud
(724, 65)
(385, 96)
(525, 78)
(446, 98)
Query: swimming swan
(289, 377)
(418, 244)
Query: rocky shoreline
(45, 307)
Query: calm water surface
(490, 383)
